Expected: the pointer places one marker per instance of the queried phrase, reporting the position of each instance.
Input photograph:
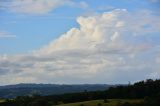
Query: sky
(79, 41)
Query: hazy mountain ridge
(11, 91)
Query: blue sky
(36, 29)
(32, 31)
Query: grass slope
(2, 100)
(111, 102)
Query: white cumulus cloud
(112, 47)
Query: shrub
(106, 101)
(99, 104)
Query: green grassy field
(2, 100)
(110, 102)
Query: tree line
(149, 90)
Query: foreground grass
(2, 100)
(109, 102)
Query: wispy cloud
(38, 7)
(105, 8)
(155, 1)
(4, 35)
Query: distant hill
(12, 91)
(143, 93)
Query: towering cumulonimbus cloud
(107, 47)
(111, 30)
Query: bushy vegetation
(148, 90)
(138, 90)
